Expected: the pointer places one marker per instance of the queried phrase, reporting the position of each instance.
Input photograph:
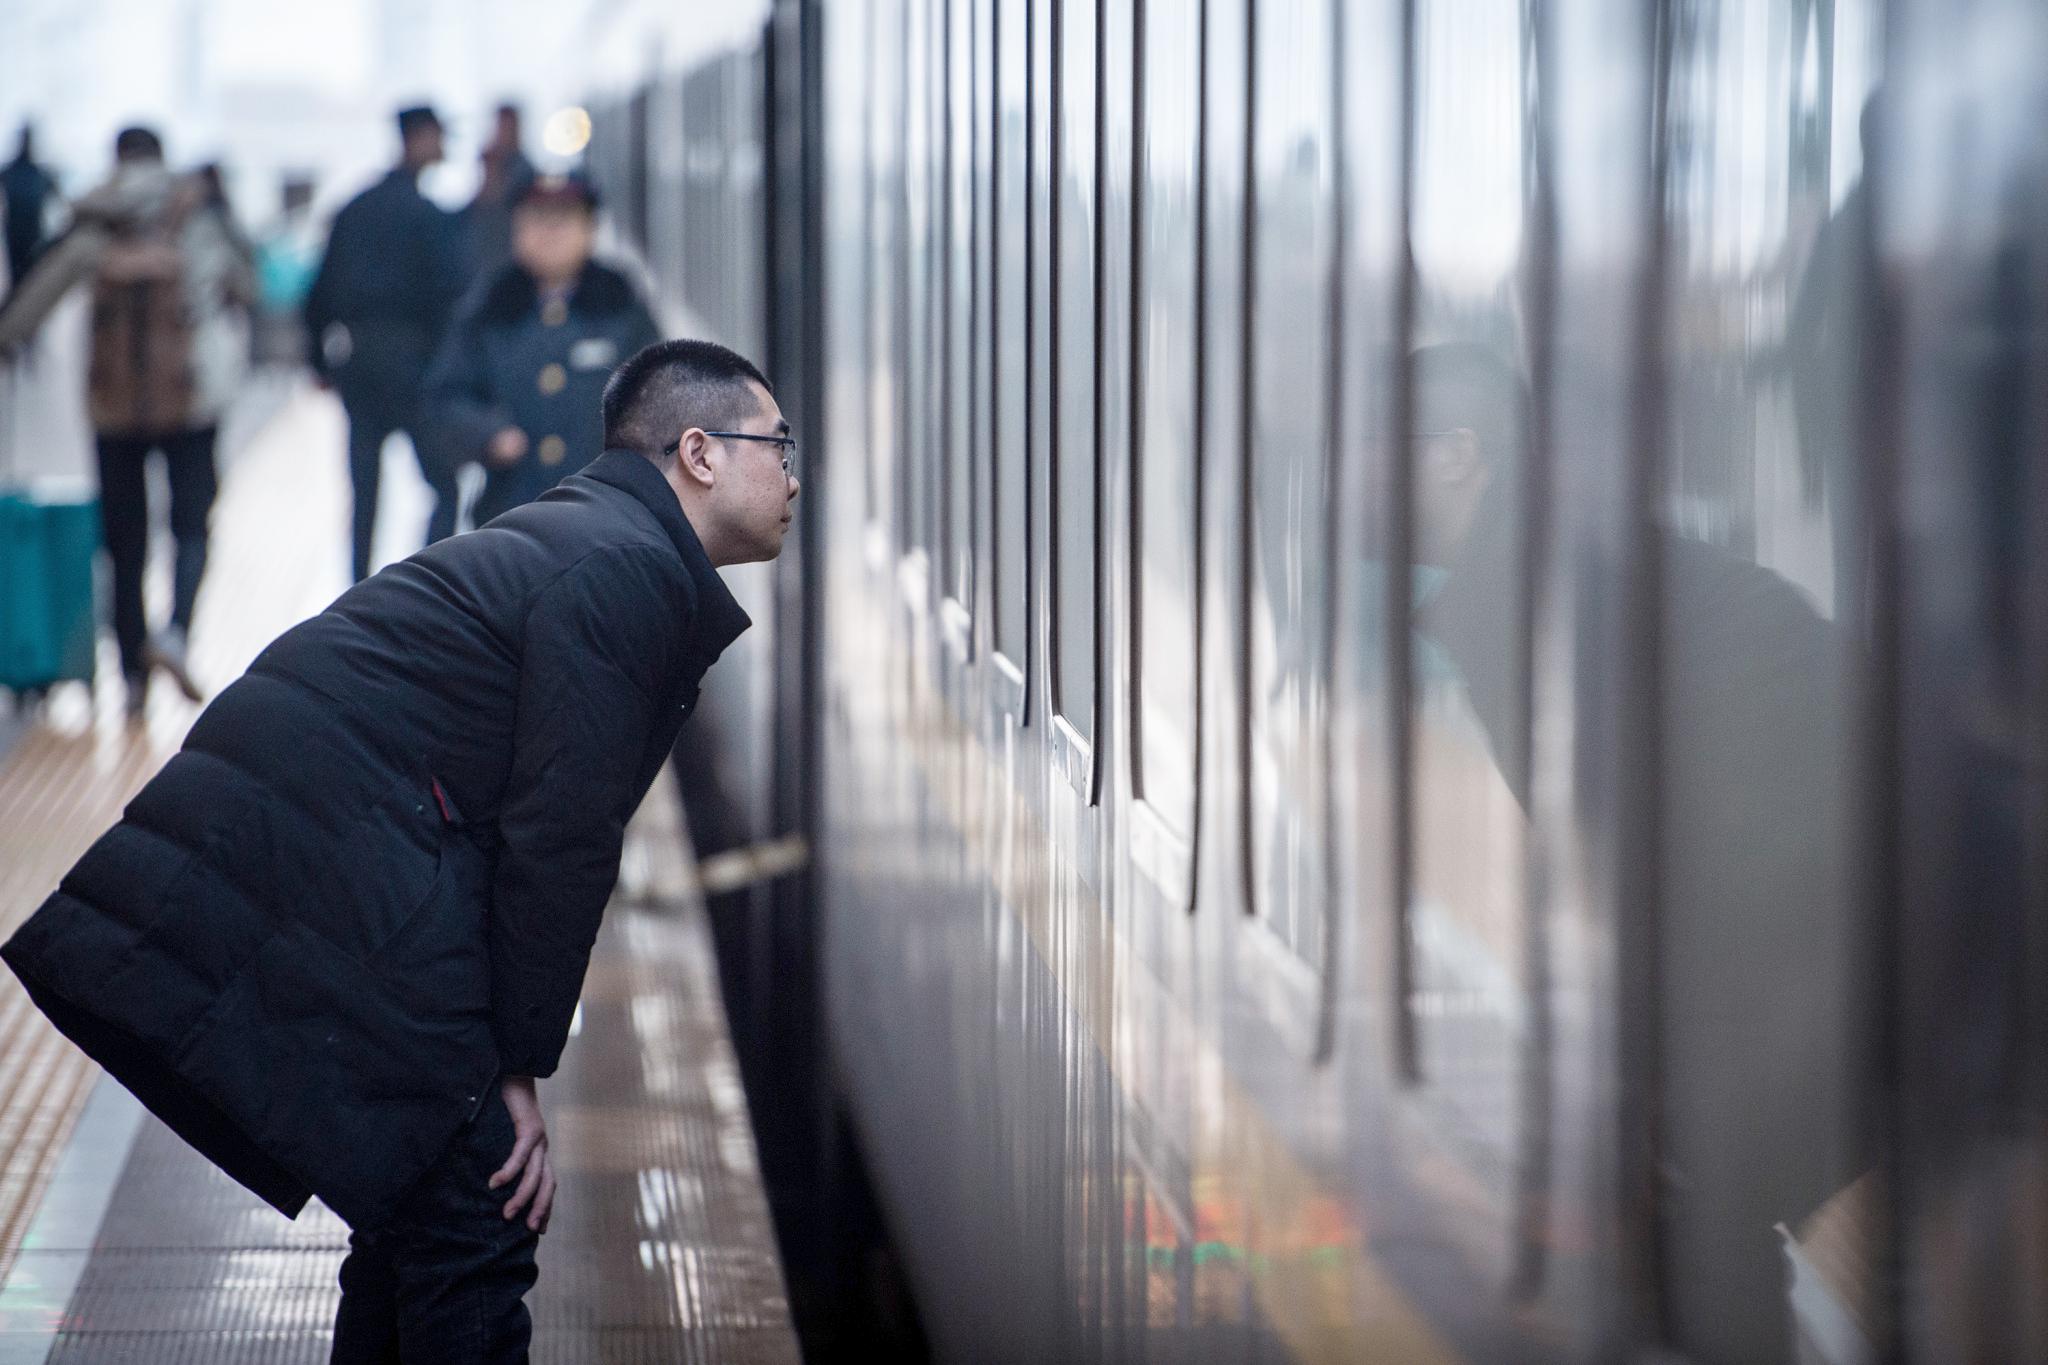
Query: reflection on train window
(982, 176)
(1074, 307)
(921, 176)
(957, 578)
(1761, 571)
(852, 207)
(1466, 892)
(1294, 189)
(1166, 471)
(885, 265)
(847, 233)
(1009, 243)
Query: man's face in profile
(754, 496)
(1451, 475)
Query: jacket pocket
(438, 961)
(385, 866)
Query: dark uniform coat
(512, 361)
(368, 885)
(390, 277)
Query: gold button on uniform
(554, 312)
(552, 377)
(552, 449)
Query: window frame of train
(1162, 841)
(921, 500)
(1006, 580)
(1074, 476)
(1287, 439)
(882, 280)
(961, 310)
(1461, 741)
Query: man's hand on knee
(529, 1163)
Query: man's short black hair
(664, 389)
(138, 144)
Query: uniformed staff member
(377, 309)
(517, 381)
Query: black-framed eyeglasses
(788, 444)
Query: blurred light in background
(567, 131)
(279, 94)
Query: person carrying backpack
(166, 270)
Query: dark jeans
(442, 1282)
(372, 418)
(124, 521)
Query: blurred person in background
(287, 257)
(28, 193)
(487, 220)
(168, 273)
(517, 382)
(227, 347)
(374, 314)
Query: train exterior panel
(1415, 669)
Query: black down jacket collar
(720, 618)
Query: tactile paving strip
(661, 1248)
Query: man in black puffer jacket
(336, 939)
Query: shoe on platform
(166, 650)
(137, 703)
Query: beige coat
(167, 273)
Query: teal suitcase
(47, 546)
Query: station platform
(119, 1245)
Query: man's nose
(795, 487)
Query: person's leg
(124, 524)
(367, 427)
(194, 485)
(462, 1269)
(495, 498)
(439, 472)
(366, 1324)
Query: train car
(1414, 672)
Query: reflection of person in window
(1757, 1062)
(1824, 356)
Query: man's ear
(693, 458)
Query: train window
(1467, 720)
(745, 195)
(1290, 397)
(1166, 469)
(1759, 568)
(957, 573)
(846, 231)
(886, 99)
(1075, 322)
(1009, 513)
(1038, 331)
(921, 175)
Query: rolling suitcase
(49, 535)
